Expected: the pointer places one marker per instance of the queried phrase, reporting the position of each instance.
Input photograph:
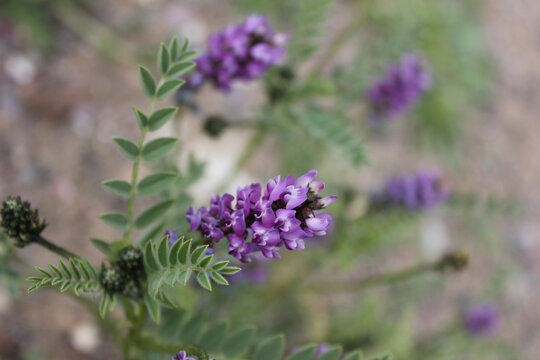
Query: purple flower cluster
(482, 319)
(284, 215)
(402, 86)
(418, 191)
(244, 52)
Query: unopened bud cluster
(125, 275)
(454, 260)
(21, 222)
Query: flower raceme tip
(240, 52)
(400, 88)
(286, 214)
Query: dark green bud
(454, 260)
(21, 222)
(130, 261)
(278, 83)
(133, 290)
(112, 279)
(214, 125)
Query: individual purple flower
(400, 88)
(284, 216)
(182, 356)
(482, 319)
(241, 52)
(418, 191)
(172, 235)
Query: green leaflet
(331, 354)
(180, 69)
(148, 84)
(157, 148)
(355, 355)
(270, 348)
(304, 353)
(160, 117)
(142, 119)
(152, 214)
(116, 220)
(168, 87)
(119, 187)
(127, 147)
(155, 183)
(212, 337)
(238, 342)
(163, 59)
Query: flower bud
(454, 260)
(21, 222)
(214, 125)
(112, 279)
(130, 261)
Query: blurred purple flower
(285, 215)
(182, 356)
(172, 235)
(242, 52)
(418, 191)
(482, 319)
(402, 86)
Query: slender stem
(135, 171)
(253, 144)
(134, 177)
(374, 280)
(109, 326)
(341, 38)
(94, 33)
(55, 248)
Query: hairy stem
(341, 38)
(135, 170)
(373, 280)
(93, 32)
(253, 144)
(55, 248)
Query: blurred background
(68, 82)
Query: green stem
(341, 38)
(253, 144)
(94, 33)
(135, 171)
(107, 325)
(55, 248)
(374, 280)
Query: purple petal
(304, 180)
(327, 200)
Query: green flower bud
(454, 260)
(21, 222)
(112, 279)
(130, 261)
(214, 125)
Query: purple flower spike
(482, 319)
(284, 216)
(241, 52)
(402, 86)
(422, 190)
